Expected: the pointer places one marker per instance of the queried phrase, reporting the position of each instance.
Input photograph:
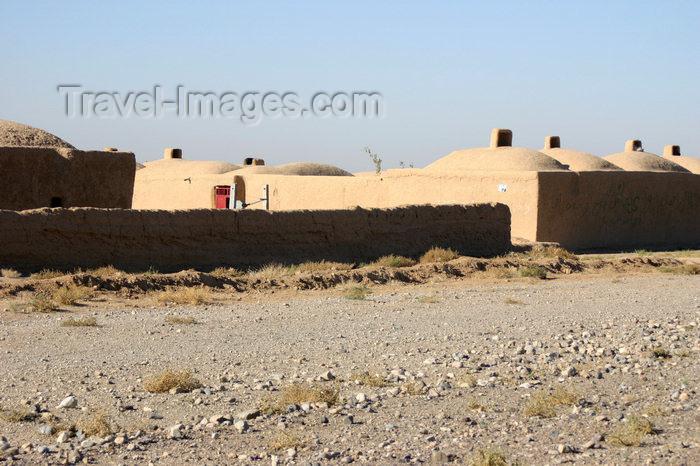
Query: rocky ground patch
(591, 368)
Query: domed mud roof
(191, 167)
(19, 135)
(499, 156)
(576, 160)
(636, 160)
(298, 169)
(673, 153)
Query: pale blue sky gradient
(595, 73)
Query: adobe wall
(621, 210)
(31, 176)
(391, 189)
(172, 240)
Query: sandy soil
(455, 366)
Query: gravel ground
(538, 372)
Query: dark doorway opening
(56, 202)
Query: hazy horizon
(594, 73)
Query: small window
(56, 202)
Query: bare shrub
(70, 293)
(169, 379)
(97, 423)
(9, 273)
(185, 295)
(323, 266)
(46, 273)
(394, 261)
(42, 303)
(438, 255)
(85, 322)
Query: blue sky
(594, 73)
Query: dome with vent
(574, 159)
(499, 156)
(673, 153)
(635, 159)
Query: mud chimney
(501, 138)
(253, 161)
(110, 149)
(672, 150)
(171, 153)
(552, 142)
(633, 145)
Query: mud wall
(31, 176)
(619, 210)
(157, 190)
(172, 240)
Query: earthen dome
(574, 159)
(673, 153)
(499, 156)
(14, 134)
(634, 159)
(191, 167)
(298, 169)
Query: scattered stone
(47, 429)
(62, 437)
(248, 414)
(565, 448)
(175, 432)
(68, 402)
(241, 426)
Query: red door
(223, 194)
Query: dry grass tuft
(656, 411)
(368, 379)
(185, 295)
(633, 432)
(178, 320)
(284, 441)
(42, 303)
(544, 404)
(394, 261)
(412, 388)
(296, 394)
(104, 272)
(70, 293)
(357, 292)
(488, 458)
(660, 353)
(438, 255)
(512, 301)
(9, 273)
(476, 405)
(169, 379)
(85, 322)
(46, 273)
(270, 272)
(322, 266)
(226, 272)
(21, 414)
(551, 252)
(534, 271)
(685, 269)
(97, 423)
